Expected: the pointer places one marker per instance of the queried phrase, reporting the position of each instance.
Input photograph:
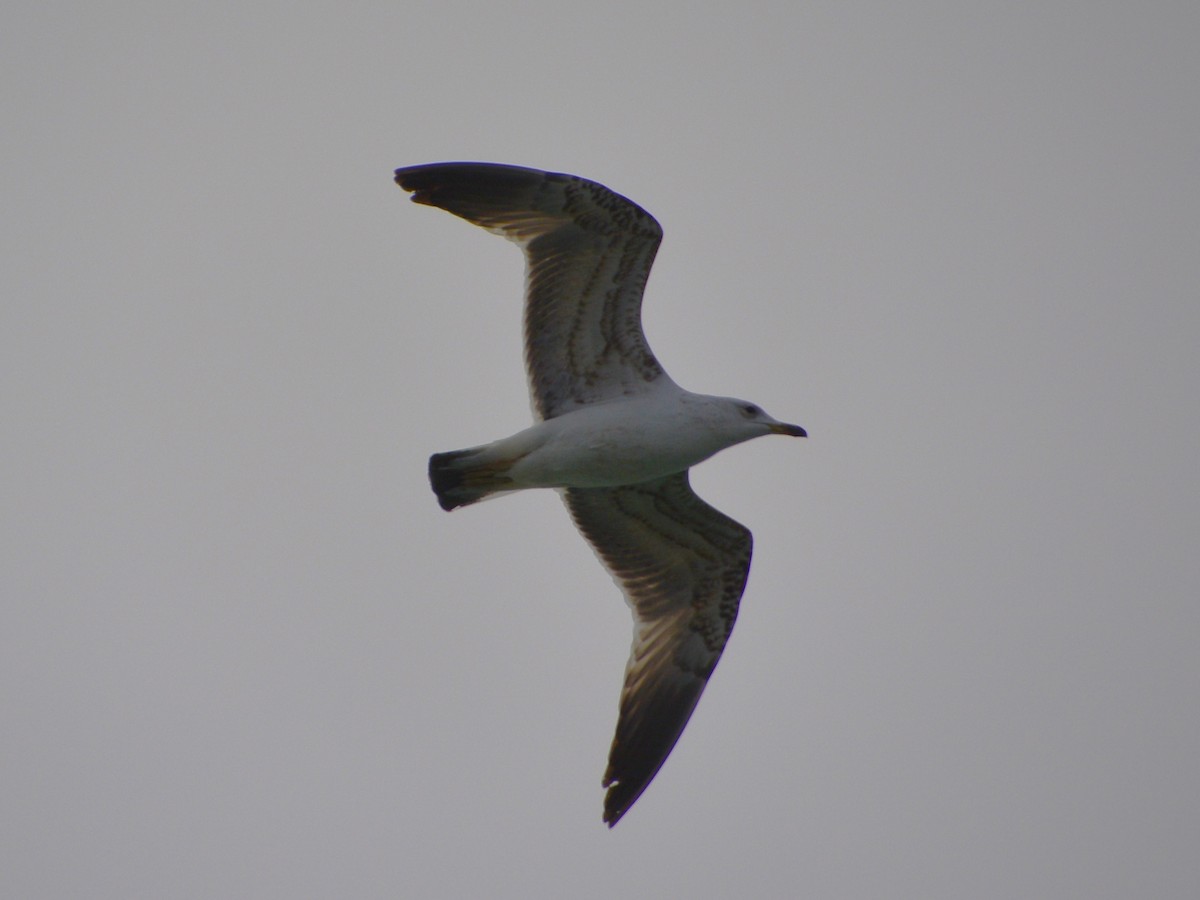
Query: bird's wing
(682, 566)
(588, 253)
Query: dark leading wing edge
(588, 254)
(682, 566)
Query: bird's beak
(790, 430)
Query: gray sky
(244, 654)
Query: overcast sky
(243, 653)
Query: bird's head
(748, 420)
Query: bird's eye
(751, 410)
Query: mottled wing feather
(682, 566)
(588, 253)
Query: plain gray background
(244, 654)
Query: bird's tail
(463, 477)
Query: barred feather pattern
(682, 566)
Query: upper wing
(682, 566)
(588, 254)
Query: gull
(614, 435)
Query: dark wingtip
(613, 814)
(402, 178)
(612, 817)
(420, 181)
(622, 795)
(470, 177)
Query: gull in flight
(614, 435)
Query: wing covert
(682, 566)
(588, 255)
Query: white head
(741, 420)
